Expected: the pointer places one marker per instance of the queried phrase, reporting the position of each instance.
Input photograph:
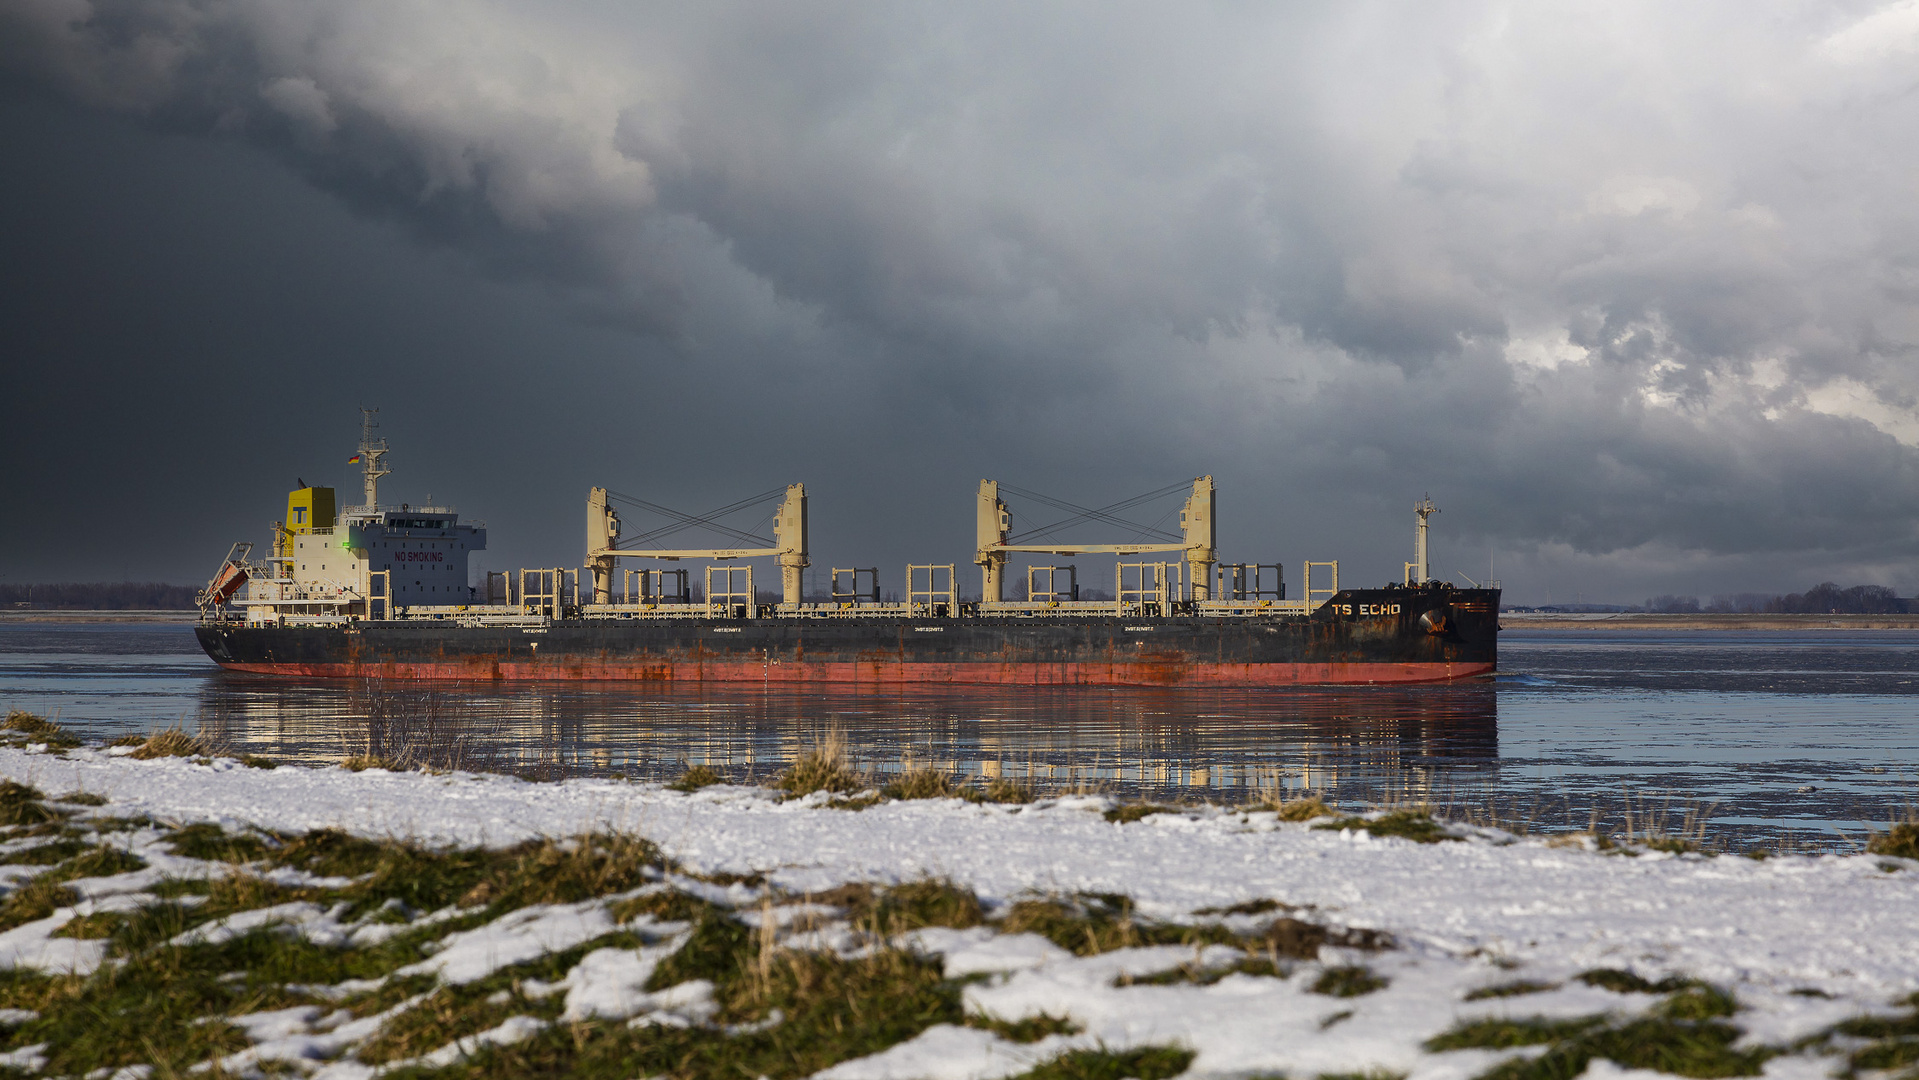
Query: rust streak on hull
(846, 674)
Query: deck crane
(788, 545)
(1196, 521)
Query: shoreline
(1705, 621)
(68, 615)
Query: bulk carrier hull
(1430, 633)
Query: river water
(1777, 738)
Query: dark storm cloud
(1630, 289)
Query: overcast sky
(1631, 289)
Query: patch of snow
(736, 895)
(513, 1029)
(835, 939)
(1602, 1069)
(687, 1004)
(303, 918)
(611, 983)
(981, 950)
(278, 1024)
(32, 945)
(304, 1040)
(527, 934)
(946, 1052)
(30, 1058)
(294, 878)
(786, 915)
(295, 916)
(774, 1018)
(339, 991)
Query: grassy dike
(192, 949)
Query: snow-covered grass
(168, 914)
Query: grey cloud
(1628, 284)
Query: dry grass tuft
(330, 853)
(1261, 906)
(101, 861)
(1304, 809)
(237, 890)
(1028, 1030)
(1347, 982)
(1091, 923)
(667, 905)
(1303, 806)
(22, 720)
(93, 927)
(695, 778)
(205, 840)
(565, 872)
(911, 906)
(169, 742)
(22, 805)
(1878, 1042)
(38, 728)
(35, 901)
(824, 766)
(920, 782)
(1654, 829)
(931, 902)
(1297, 804)
(1900, 840)
(363, 762)
(1124, 815)
(1301, 940)
(1620, 981)
(1142, 1063)
(1510, 989)
(1415, 825)
(1685, 1036)
(1001, 789)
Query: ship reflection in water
(1226, 746)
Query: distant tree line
(99, 596)
(1822, 599)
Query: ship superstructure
(369, 561)
(378, 590)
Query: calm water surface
(1802, 737)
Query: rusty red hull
(855, 674)
(1434, 634)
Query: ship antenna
(372, 458)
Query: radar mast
(372, 458)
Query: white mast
(372, 453)
(1420, 569)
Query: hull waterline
(1427, 635)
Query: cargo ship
(377, 591)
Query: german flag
(354, 460)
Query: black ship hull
(1393, 635)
